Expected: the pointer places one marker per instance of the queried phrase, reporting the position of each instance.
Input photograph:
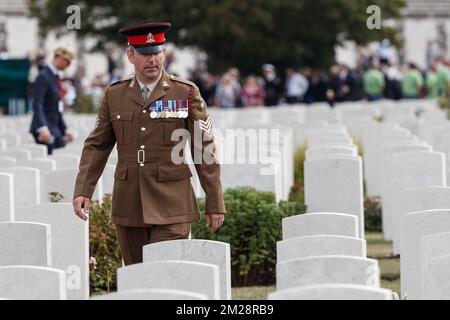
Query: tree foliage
(242, 33)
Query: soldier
(153, 199)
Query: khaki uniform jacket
(149, 188)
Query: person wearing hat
(47, 125)
(152, 199)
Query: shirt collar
(150, 86)
(53, 69)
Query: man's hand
(68, 136)
(44, 136)
(215, 220)
(81, 207)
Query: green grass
(251, 293)
(389, 265)
(377, 248)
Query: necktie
(145, 93)
(61, 91)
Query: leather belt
(144, 156)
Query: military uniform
(153, 199)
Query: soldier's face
(147, 67)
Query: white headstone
(7, 207)
(413, 227)
(432, 247)
(7, 162)
(27, 185)
(13, 139)
(264, 177)
(43, 164)
(438, 272)
(16, 153)
(335, 185)
(408, 170)
(205, 251)
(332, 292)
(179, 275)
(66, 161)
(32, 283)
(37, 150)
(303, 247)
(23, 243)
(312, 224)
(70, 243)
(152, 294)
(63, 182)
(419, 199)
(319, 151)
(326, 270)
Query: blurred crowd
(376, 80)
(373, 79)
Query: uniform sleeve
(97, 148)
(203, 152)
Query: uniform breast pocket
(122, 122)
(164, 128)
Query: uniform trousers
(133, 239)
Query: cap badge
(150, 38)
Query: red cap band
(142, 40)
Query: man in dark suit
(48, 126)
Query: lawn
(377, 248)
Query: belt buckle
(139, 153)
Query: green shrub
(372, 214)
(85, 104)
(252, 227)
(297, 193)
(103, 247)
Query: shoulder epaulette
(120, 81)
(187, 82)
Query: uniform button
(118, 116)
(141, 164)
(144, 111)
(142, 129)
(142, 147)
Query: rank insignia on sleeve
(205, 125)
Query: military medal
(153, 113)
(160, 109)
(173, 106)
(169, 109)
(185, 109)
(165, 113)
(179, 104)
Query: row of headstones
(25, 186)
(323, 257)
(411, 180)
(333, 175)
(50, 261)
(44, 254)
(319, 251)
